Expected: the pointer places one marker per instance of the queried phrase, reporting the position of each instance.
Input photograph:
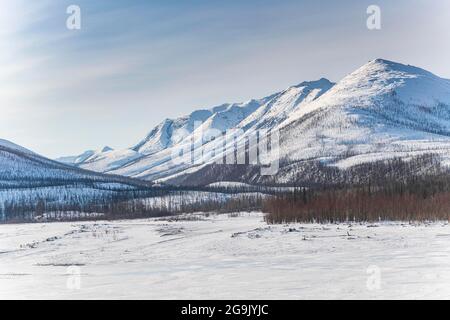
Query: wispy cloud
(134, 63)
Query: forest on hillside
(416, 189)
(394, 190)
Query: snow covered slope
(20, 165)
(12, 146)
(170, 132)
(156, 147)
(382, 110)
(152, 157)
(89, 155)
(26, 178)
(277, 109)
(76, 159)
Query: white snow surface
(223, 257)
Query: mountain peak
(392, 66)
(381, 96)
(380, 83)
(107, 149)
(321, 83)
(384, 61)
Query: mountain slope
(263, 113)
(27, 179)
(283, 104)
(172, 131)
(23, 166)
(382, 110)
(12, 146)
(152, 157)
(73, 160)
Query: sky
(134, 63)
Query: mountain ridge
(381, 109)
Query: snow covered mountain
(85, 156)
(22, 167)
(152, 157)
(277, 109)
(382, 110)
(27, 178)
(73, 160)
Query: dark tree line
(129, 204)
(388, 190)
(396, 189)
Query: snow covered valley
(233, 256)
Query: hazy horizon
(132, 65)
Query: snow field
(224, 257)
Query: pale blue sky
(134, 63)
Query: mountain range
(27, 178)
(382, 110)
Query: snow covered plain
(223, 256)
